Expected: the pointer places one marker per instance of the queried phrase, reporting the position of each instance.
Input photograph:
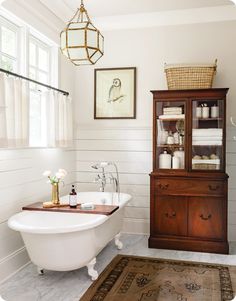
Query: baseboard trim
(13, 263)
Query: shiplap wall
(22, 183)
(131, 150)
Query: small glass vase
(55, 194)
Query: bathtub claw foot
(40, 271)
(91, 271)
(118, 243)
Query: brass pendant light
(81, 42)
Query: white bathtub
(68, 241)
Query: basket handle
(215, 65)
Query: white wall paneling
(134, 161)
(22, 183)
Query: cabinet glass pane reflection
(171, 135)
(207, 134)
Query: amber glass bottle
(73, 198)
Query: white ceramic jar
(205, 112)
(214, 112)
(175, 162)
(199, 112)
(165, 160)
(180, 154)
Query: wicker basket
(206, 164)
(190, 76)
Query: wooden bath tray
(99, 209)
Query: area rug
(132, 278)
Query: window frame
(16, 29)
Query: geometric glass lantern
(81, 42)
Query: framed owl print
(115, 93)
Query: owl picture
(115, 93)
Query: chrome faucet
(102, 179)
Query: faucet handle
(97, 178)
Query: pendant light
(81, 42)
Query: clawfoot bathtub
(68, 241)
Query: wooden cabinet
(188, 183)
(172, 215)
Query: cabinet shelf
(170, 119)
(170, 145)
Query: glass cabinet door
(207, 134)
(171, 129)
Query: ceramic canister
(180, 154)
(175, 162)
(214, 112)
(205, 112)
(199, 112)
(165, 160)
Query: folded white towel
(172, 116)
(172, 110)
(213, 138)
(172, 113)
(203, 161)
(207, 132)
(207, 142)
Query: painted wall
(128, 142)
(21, 183)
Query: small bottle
(73, 198)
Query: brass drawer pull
(172, 215)
(214, 188)
(205, 218)
(163, 186)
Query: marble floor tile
(27, 285)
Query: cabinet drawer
(170, 215)
(189, 187)
(205, 217)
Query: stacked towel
(172, 111)
(207, 136)
(172, 116)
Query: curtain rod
(33, 81)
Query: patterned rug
(132, 278)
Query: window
(39, 61)
(9, 36)
(39, 70)
(25, 51)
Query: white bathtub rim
(89, 220)
(96, 220)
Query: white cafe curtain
(59, 120)
(14, 112)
